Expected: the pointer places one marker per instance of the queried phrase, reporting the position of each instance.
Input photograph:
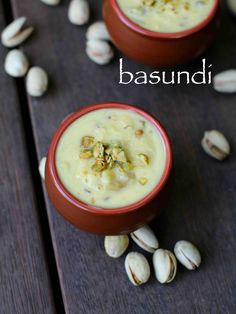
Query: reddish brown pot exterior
(159, 49)
(106, 221)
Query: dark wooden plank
(25, 285)
(202, 206)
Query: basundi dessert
(110, 158)
(166, 16)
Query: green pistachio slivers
(99, 165)
(144, 158)
(149, 2)
(127, 166)
(98, 150)
(87, 141)
(85, 154)
(143, 181)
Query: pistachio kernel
(144, 158)
(127, 166)
(149, 2)
(139, 133)
(85, 154)
(99, 165)
(120, 168)
(143, 181)
(98, 150)
(87, 141)
(118, 154)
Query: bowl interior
(113, 211)
(174, 35)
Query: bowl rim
(174, 35)
(99, 210)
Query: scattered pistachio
(137, 268)
(215, 144)
(145, 238)
(225, 82)
(187, 254)
(36, 81)
(87, 141)
(13, 35)
(127, 166)
(144, 159)
(78, 12)
(115, 246)
(165, 265)
(118, 154)
(51, 2)
(86, 154)
(16, 63)
(98, 30)
(143, 181)
(149, 2)
(139, 133)
(42, 166)
(232, 6)
(99, 165)
(98, 150)
(99, 51)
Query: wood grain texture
(24, 279)
(202, 206)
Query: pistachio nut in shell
(51, 2)
(42, 166)
(225, 82)
(215, 144)
(165, 265)
(36, 82)
(99, 51)
(115, 246)
(232, 6)
(14, 34)
(145, 238)
(137, 268)
(16, 63)
(78, 12)
(187, 254)
(98, 30)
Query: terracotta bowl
(99, 220)
(159, 49)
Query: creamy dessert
(167, 16)
(110, 158)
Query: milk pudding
(110, 158)
(167, 16)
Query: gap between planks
(37, 186)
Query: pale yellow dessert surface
(110, 189)
(167, 16)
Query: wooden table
(46, 265)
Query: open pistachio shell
(137, 268)
(145, 238)
(187, 254)
(115, 246)
(165, 265)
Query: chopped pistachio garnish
(139, 133)
(127, 166)
(99, 165)
(144, 158)
(143, 181)
(118, 154)
(85, 154)
(106, 157)
(149, 2)
(87, 141)
(120, 168)
(98, 150)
